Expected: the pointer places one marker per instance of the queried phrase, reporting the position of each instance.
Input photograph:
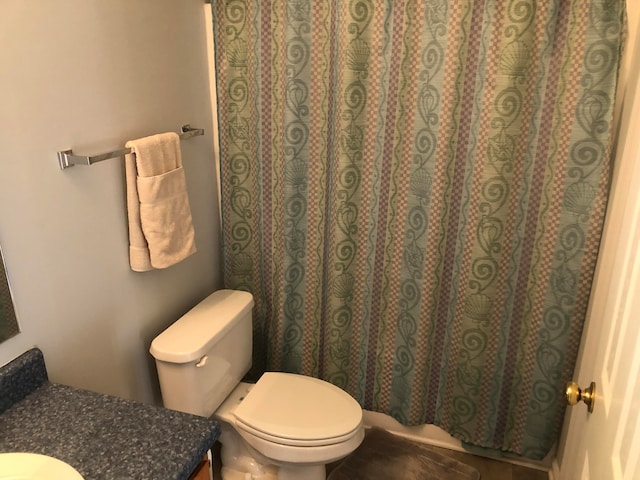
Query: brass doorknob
(575, 394)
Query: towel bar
(66, 158)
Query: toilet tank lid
(193, 334)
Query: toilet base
(241, 462)
(316, 472)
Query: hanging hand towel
(160, 227)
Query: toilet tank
(203, 355)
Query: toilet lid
(297, 408)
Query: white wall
(89, 75)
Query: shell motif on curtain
(414, 193)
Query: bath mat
(383, 456)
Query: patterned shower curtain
(414, 193)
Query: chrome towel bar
(67, 158)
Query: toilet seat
(297, 410)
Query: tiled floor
(489, 469)
(495, 469)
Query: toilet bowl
(295, 423)
(284, 427)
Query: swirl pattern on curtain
(414, 193)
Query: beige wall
(89, 75)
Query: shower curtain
(414, 193)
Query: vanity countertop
(101, 436)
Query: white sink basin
(31, 466)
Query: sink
(31, 466)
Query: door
(605, 444)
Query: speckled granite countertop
(103, 437)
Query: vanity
(101, 436)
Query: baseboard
(554, 471)
(435, 436)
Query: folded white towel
(160, 227)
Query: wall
(89, 75)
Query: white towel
(160, 227)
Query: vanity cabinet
(202, 470)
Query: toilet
(284, 427)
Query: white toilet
(285, 427)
